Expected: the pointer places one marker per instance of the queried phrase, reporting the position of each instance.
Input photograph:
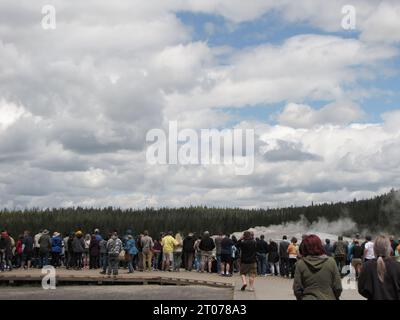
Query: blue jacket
(56, 244)
(130, 247)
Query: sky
(77, 101)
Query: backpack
(340, 250)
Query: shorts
(27, 256)
(248, 268)
(206, 256)
(169, 256)
(226, 258)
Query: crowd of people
(316, 267)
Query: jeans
(113, 263)
(156, 260)
(104, 261)
(284, 267)
(44, 258)
(292, 266)
(55, 259)
(274, 267)
(218, 263)
(131, 263)
(93, 262)
(261, 263)
(188, 261)
(177, 260)
(78, 262)
(197, 261)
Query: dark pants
(93, 262)
(104, 261)
(78, 262)
(55, 259)
(189, 260)
(113, 263)
(292, 266)
(44, 258)
(341, 262)
(261, 264)
(284, 267)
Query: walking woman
(317, 276)
(380, 277)
(248, 259)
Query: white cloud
(303, 116)
(76, 103)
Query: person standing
(273, 257)
(131, 249)
(45, 248)
(157, 255)
(248, 259)
(168, 243)
(380, 277)
(86, 252)
(147, 247)
(293, 252)
(18, 251)
(37, 248)
(78, 247)
(114, 248)
(188, 251)
(284, 257)
(5, 251)
(226, 256)
(66, 252)
(369, 249)
(328, 248)
(206, 246)
(177, 253)
(218, 241)
(317, 276)
(56, 248)
(94, 252)
(197, 253)
(262, 251)
(70, 260)
(103, 255)
(27, 252)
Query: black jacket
(248, 250)
(371, 288)
(207, 244)
(262, 246)
(188, 244)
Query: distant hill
(379, 214)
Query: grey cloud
(289, 151)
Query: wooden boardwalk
(64, 276)
(266, 288)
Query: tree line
(377, 214)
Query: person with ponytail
(380, 277)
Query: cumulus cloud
(303, 116)
(76, 103)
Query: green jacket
(317, 278)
